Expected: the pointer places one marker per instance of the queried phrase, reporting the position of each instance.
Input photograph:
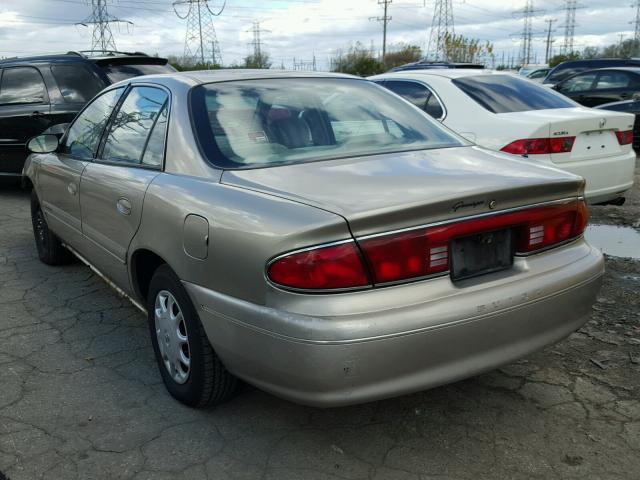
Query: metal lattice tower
(201, 44)
(527, 32)
(385, 19)
(100, 20)
(636, 22)
(570, 7)
(441, 27)
(257, 42)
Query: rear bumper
(607, 178)
(341, 358)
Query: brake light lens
(324, 268)
(423, 252)
(625, 137)
(540, 146)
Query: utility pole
(636, 22)
(100, 19)
(201, 43)
(550, 40)
(570, 7)
(442, 26)
(385, 19)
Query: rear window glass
(122, 72)
(276, 121)
(505, 94)
(76, 82)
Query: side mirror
(46, 143)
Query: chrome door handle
(72, 188)
(123, 206)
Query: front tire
(49, 246)
(190, 369)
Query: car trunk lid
(398, 190)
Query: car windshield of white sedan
(506, 94)
(258, 122)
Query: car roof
(80, 56)
(447, 73)
(624, 69)
(200, 77)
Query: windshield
(506, 93)
(275, 121)
(119, 72)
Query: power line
(442, 26)
(201, 43)
(385, 19)
(100, 19)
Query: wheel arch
(143, 264)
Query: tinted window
(434, 108)
(413, 92)
(295, 120)
(579, 83)
(122, 72)
(76, 82)
(154, 153)
(22, 85)
(504, 93)
(132, 125)
(608, 80)
(85, 133)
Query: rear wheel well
(144, 263)
(26, 183)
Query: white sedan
(505, 113)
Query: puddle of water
(616, 241)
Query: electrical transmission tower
(570, 7)
(549, 49)
(636, 22)
(528, 12)
(441, 28)
(201, 44)
(385, 19)
(100, 19)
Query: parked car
(627, 106)
(605, 85)
(528, 69)
(41, 91)
(571, 67)
(506, 113)
(538, 75)
(424, 64)
(314, 235)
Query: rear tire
(49, 246)
(190, 369)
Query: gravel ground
(81, 397)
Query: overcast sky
(300, 28)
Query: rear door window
(77, 83)
(132, 125)
(506, 93)
(411, 91)
(22, 85)
(117, 72)
(612, 80)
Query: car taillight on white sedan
(625, 137)
(540, 146)
(421, 252)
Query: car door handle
(624, 95)
(72, 188)
(123, 206)
(37, 114)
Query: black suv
(425, 65)
(41, 91)
(571, 67)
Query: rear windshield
(506, 93)
(275, 121)
(123, 71)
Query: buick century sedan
(311, 234)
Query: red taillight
(323, 268)
(540, 146)
(625, 138)
(422, 252)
